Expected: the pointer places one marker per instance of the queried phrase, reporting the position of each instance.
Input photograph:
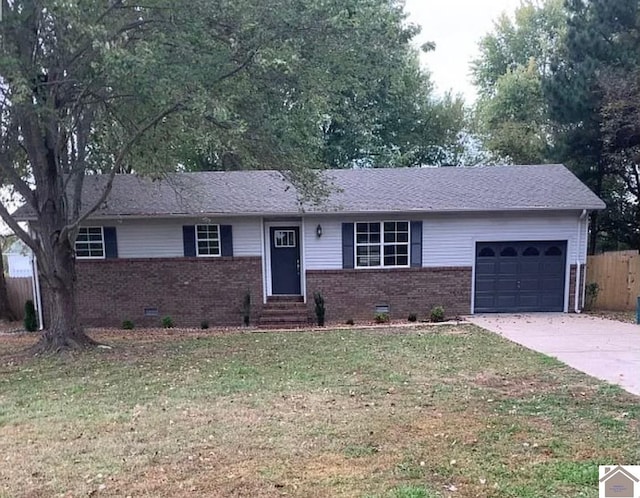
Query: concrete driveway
(606, 349)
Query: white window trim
(219, 241)
(382, 245)
(104, 248)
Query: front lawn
(399, 413)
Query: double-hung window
(208, 240)
(382, 244)
(90, 243)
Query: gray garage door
(520, 276)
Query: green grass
(381, 412)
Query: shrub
(382, 317)
(167, 322)
(319, 308)
(591, 291)
(30, 318)
(127, 325)
(246, 309)
(350, 321)
(204, 324)
(412, 317)
(437, 314)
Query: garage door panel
(551, 285)
(529, 300)
(507, 267)
(552, 267)
(486, 267)
(486, 302)
(486, 285)
(520, 276)
(530, 267)
(529, 284)
(506, 285)
(506, 301)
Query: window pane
(389, 250)
(487, 252)
(553, 251)
(89, 243)
(208, 240)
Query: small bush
(167, 322)
(437, 314)
(592, 291)
(246, 309)
(382, 317)
(30, 318)
(350, 321)
(127, 325)
(412, 317)
(204, 324)
(319, 308)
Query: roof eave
(330, 212)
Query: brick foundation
(355, 293)
(189, 290)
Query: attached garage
(520, 276)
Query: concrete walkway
(606, 349)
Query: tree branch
(117, 164)
(19, 231)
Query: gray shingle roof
(485, 188)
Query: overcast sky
(455, 26)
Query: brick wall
(355, 293)
(187, 289)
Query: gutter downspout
(37, 296)
(576, 299)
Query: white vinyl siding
(325, 253)
(153, 238)
(449, 239)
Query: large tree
(515, 58)
(601, 41)
(116, 86)
(557, 83)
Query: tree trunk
(5, 309)
(63, 332)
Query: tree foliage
(559, 83)
(514, 59)
(118, 86)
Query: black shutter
(416, 244)
(189, 240)
(226, 240)
(347, 245)
(110, 242)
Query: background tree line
(560, 82)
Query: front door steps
(284, 312)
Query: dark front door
(285, 260)
(520, 276)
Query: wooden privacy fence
(618, 277)
(19, 290)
